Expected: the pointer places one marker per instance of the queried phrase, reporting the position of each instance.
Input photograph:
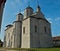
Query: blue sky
(50, 8)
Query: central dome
(29, 7)
(28, 12)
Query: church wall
(34, 36)
(12, 36)
(45, 37)
(18, 32)
(26, 35)
(9, 37)
(40, 38)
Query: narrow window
(35, 28)
(45, 29)
(24, 30)
(49, 31)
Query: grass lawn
(48, 49)
(35, 49)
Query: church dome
(29, 7)
(28, 12)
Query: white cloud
(57, 19)
(50, 20)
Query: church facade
(30, 30)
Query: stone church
(31, 30)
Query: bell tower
(19, 17)
(18, 30)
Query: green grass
(48, 49)
(34, 49)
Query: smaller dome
(19, 13)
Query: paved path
(1, 49)
(5, 49)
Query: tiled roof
(57, 38)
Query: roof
(9, 25)
(57, 38)
(19, 13)
(29, 7)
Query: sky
(50, 8)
